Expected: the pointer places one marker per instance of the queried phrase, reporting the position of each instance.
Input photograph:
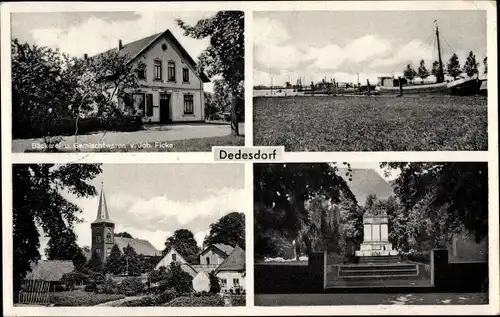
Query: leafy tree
(63, 247)
(422, 71)
(455, 193)
(38, 205)
(281, 192)
(470, 66)
(74, 278)
(177, 279)
(229, 229)
(124, 235)
(214, 283)
(133, 264)
(158, 275)
(485, 62)
(225, 55)
(183, 241)
(409, 73)
(453, 66)
(435, 68)
(115, 262)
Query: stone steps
(379, 259)
(381, 271)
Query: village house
(227, 262)
(170, 88)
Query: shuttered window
(149, 105)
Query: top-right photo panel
(333, 81)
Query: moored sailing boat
(462, 87)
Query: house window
(97, 250)
(141, 71)
(98, 238)
(236, 282)
(139, 103)
(171, 71)
(174, 257)
(157, 69)
(185, 75)
(188, 104)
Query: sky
(339, 45)
(77, 33)
(393, 174)
(151, 201)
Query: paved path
(153, 133)
(371, 299)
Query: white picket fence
(35, 292)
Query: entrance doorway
(165, 108)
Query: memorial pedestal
(376, 237)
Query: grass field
(377, 123)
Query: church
(103, 236)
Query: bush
(214, 283)
(238, 300)
(74, 278)
(131, 286)
(204, 301)
(79, 298)
(167, 296)
(141, 302)
(109, 287)
(92, 287)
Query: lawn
(81, 298)
(203, 301)
(377, 123)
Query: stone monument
(376, 236)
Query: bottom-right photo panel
(371, 233)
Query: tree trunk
(234, 115)
(76, 132)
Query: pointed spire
(102, 210)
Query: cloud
(156, 218)
(359, 50)
(267, 31)
(96, 35)
(411, 52)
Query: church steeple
(102, 209)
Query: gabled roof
(143, 247)
(50, 270)
(134, 49)
(225, 248)
(234, 262)
(102, 210)
(366, 181)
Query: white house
(170, 90)
(231, 273)
(227, 262)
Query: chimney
(85, 56)
(120, 45)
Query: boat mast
(440, 75)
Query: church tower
(103, 228)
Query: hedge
(66, 126)
(203, 301)
(81, 298)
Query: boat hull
(459, 88)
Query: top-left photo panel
(127, 81)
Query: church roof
(49, 270)
(140, 246)
(366, 181)
(234, 262)
(134, 49)
(102, 210)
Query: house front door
(165, 108)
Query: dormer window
(171, 71)
(157, 69)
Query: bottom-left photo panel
(128, 235)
